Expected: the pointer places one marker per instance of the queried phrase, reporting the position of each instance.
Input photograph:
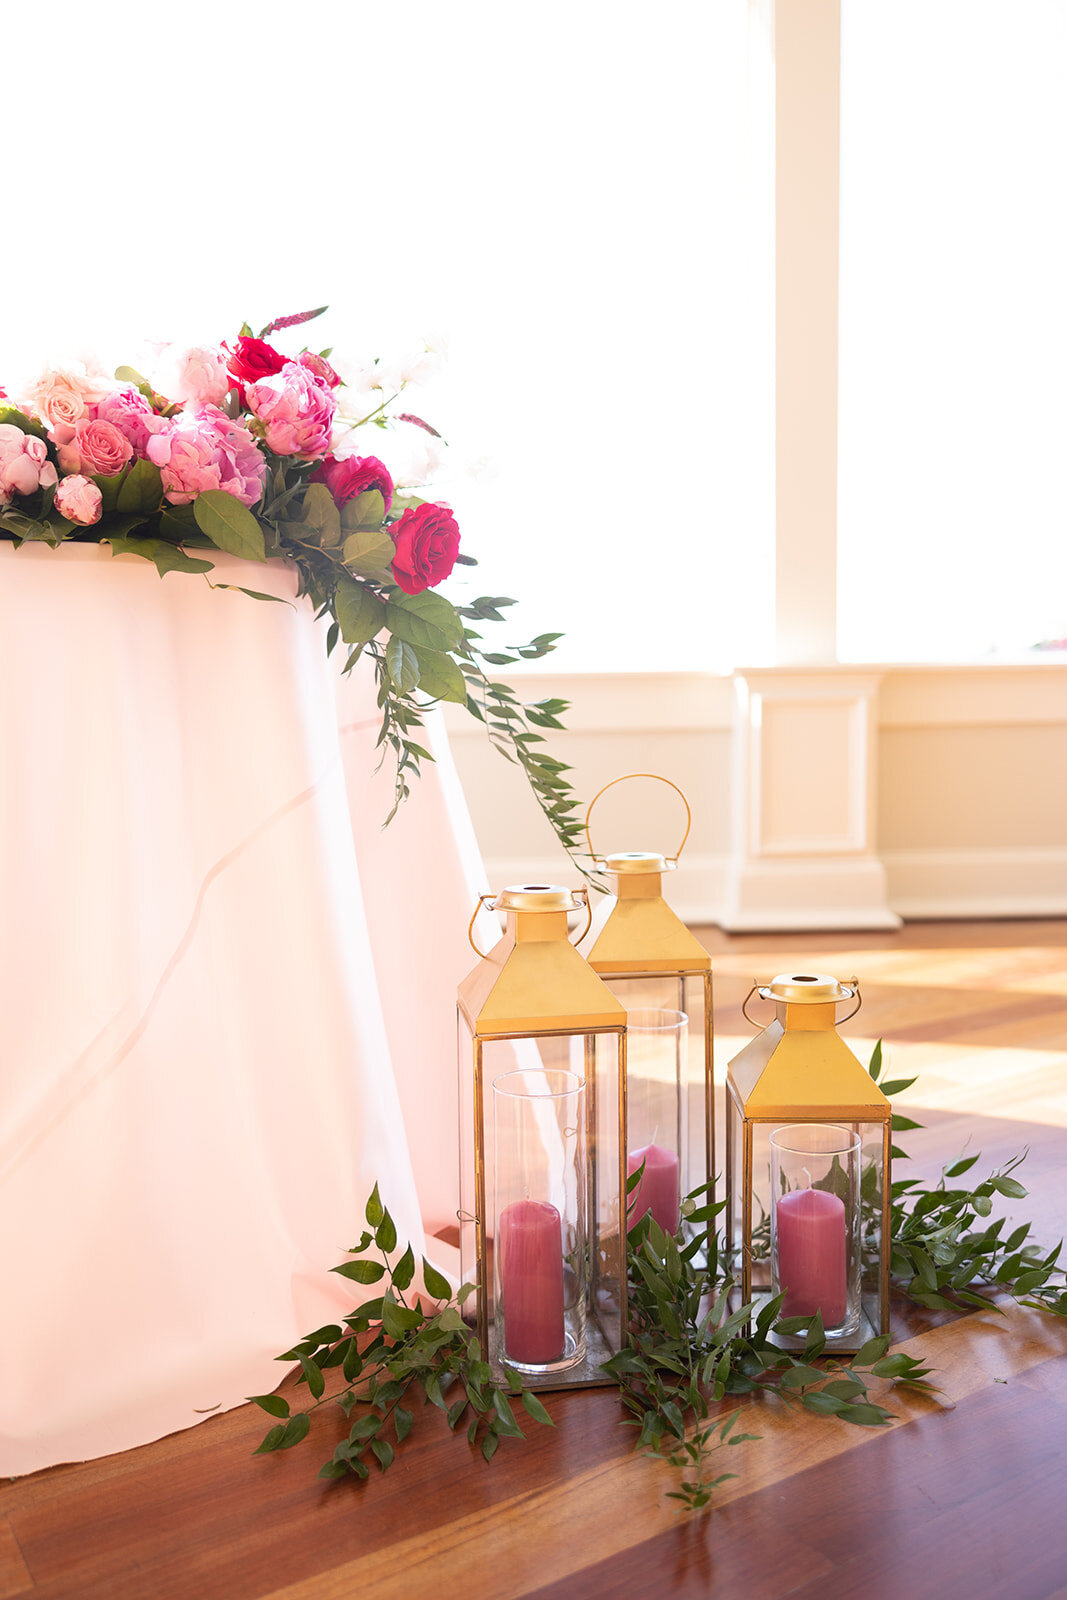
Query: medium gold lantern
(808, 1165)
(662, 974)
(542, 1057)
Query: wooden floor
(965, 1498)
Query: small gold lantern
(808, 1165)
(542, 1059)
(662, 975)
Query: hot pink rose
(92, 446)
(203, 449)
(24, 463)
(129, 412)
(79, 500)
(296, 411)
(427, 542)
(355, 474)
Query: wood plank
(14, 1573)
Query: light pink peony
(203, 449)
(196, 375)
(79, 500)
(63, 395)
(296, 410)
(24, 463)
(320, 367)
(92, 446)
(129, 412)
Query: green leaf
(316, 1381)
(320, 514)
(141, 488)
(871, 1352)
(436, 1283)
(361, 1271)
(875, 1065)
(404, 1270)
(403, 665)
(364, 1428)
(403, 1422)
(536, 1409)
(901, 1124)
(385, 1237)
(505, 1416)
(440, 677)
(489, 1445)
(352, 1365)
(425, 619)
(958, 1168)
(360, 614)
(374, 1211)
(383, 1452)
(369, 551)
(897, 1086)
(272, 1441)
(398, 1320)
(271, 1403)
(229, 524)
(1010, 1187)
(167, 557)
(295, 1430)
(334, 1469)
(865, 1416)
(365, 512)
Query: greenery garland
(688, 1352)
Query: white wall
(971, 816)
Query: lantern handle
(672, 860)
(484, 899)
(851, 988)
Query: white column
(805, 752)
(807, 56)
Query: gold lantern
(662, 975)
(808, 1165)
(542, 1057)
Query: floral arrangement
(242, 448)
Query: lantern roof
(797, 1069)
(534, 980)
(642, 934)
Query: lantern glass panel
(669, 1084)
(593, 1059)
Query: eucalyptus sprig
(390, 1350)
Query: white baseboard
(924, 885)
(1022, 882)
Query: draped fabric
(226, 995)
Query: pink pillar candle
(811, 1255)
(530, 1241)
(658, 1189)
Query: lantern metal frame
(828, 1105)
(590, 1011)
(642, 938)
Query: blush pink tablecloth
(227, 998)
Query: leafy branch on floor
(391, 1351)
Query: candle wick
(807, 1174)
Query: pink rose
(64, 395)
(203, 449)
(79, 500)
(320, 367)
(129, 412)
(352, 476)
(92, 446)
(296, 411)
(427, 541)
(24, 463)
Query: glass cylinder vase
(658, 1113)
(540, 1226)
(816, 1250)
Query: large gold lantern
(808, 1165)
(662, 974)
(542, 1058)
